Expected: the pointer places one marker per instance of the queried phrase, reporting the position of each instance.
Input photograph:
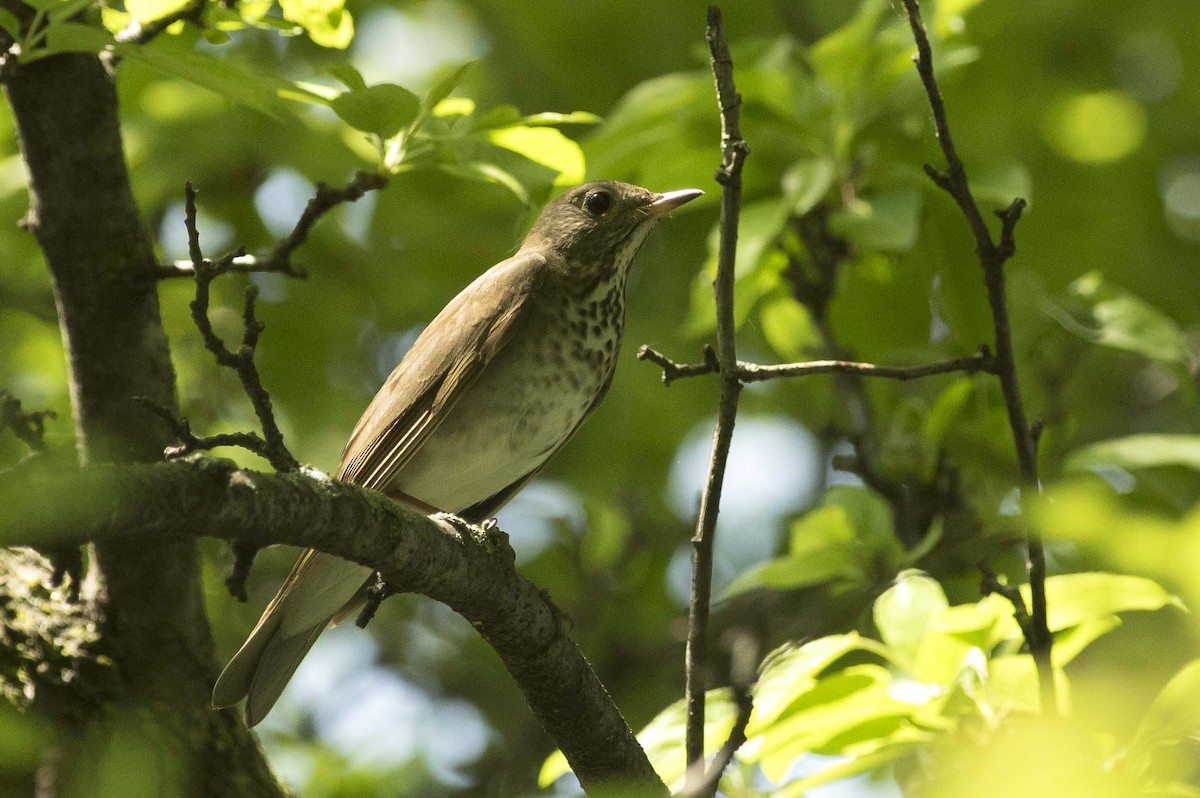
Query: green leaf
(788, 327)
(442, 88)
(844, 770)
(487, 173)
(842, 709)
(1139, 451)
(225, 78)
(905, 611)
(946, 410)
(149, 10)
(887, 220)
(74, 37)
(791, 671)
(384, 109)
(807, 181)
(10, 24)
(346, 73)
(1174, 715)
(1001, 182)
(61, 12)
(1074, 599)
(326, 21)
(546, 146)
(1110, 317)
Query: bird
(496, 384)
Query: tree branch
(271, 446)
(472, 573)
(279, 260)
(983, 360)
(733, 153)
(992, 258)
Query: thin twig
(983, 360)
(271, 445)
(990, 583)
(733, 153)
(28, 427)
(743, 672)
(279, 260)
(992, 257)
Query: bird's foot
(487, 534)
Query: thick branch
(472, 573)
(992, 257)
(733, 154)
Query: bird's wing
(421, 391)
(443, 363)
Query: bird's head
(597, 228)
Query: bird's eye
(597, 202)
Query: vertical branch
(729, 175)
(992, 256)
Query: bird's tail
(320, 589)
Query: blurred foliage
(480, 110)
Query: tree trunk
(148, 607)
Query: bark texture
(467, 569)
(151, 620)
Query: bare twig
(990, 583)
(733, 153)
(674, 371)
(992, 257)
(137, 33)
(271, 445)
(983, 360)
(279, 259)
(28, 427)
(743, 672)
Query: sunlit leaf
(791, 671)
(905, 611)
(76, 37)
(1079, 598)
(1139, 451)
(546, 146)
(488, 173)
(327, 22)
(788, 327)
(1175, 713)
(1105, 315)
(149, 10)
(383, 109)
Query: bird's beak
(665, 203)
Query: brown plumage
(496, 383)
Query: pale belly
(507, 424)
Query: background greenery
(1087, 109)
